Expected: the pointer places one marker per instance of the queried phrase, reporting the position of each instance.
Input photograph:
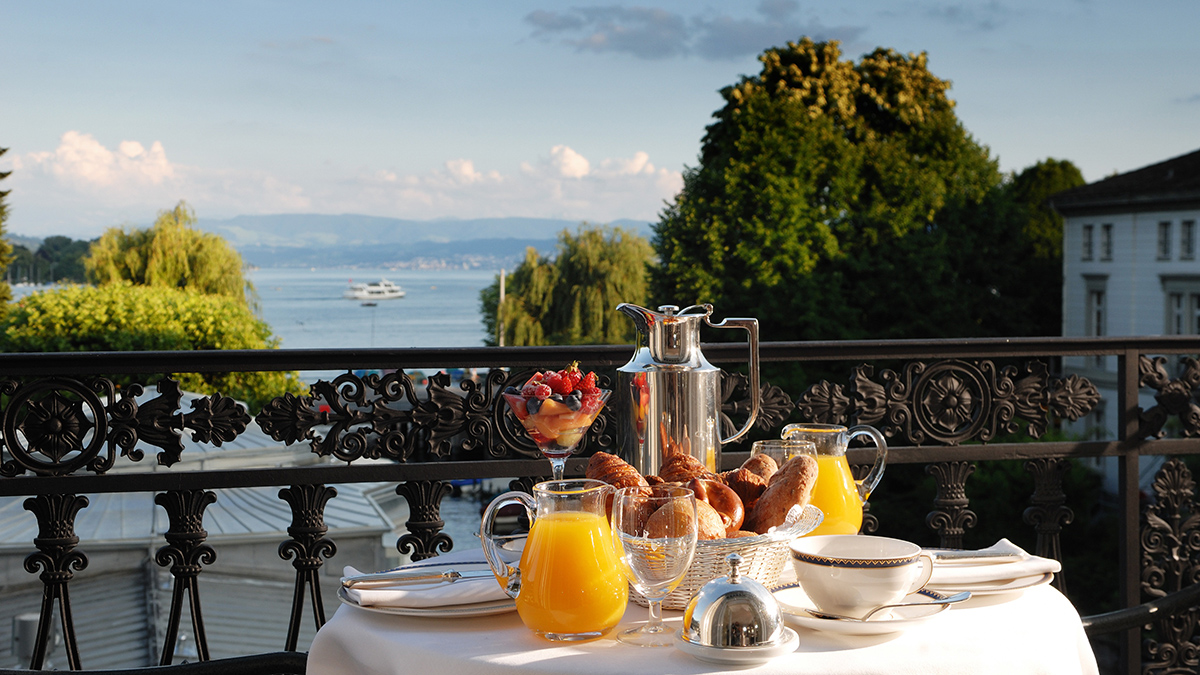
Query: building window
(1087, 242)
(1187, 240)
(1097, 310)
(1164, 240)
(1182, 295)
(1106, 241)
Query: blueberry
(573, 403)
(557, 397)
(533, 405)
(512, 390)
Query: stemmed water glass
(556, 426)
(656, 531)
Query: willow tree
(6, 248)
(840, 200)
(171, 254)
(571, 298)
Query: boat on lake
(380, 290)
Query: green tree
(169, 254)
(125, 317)
(6, 248)
(571, 298)
(1043, 236)
(838, 200)
(66, 256)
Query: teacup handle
(867, 485)
(508, 576)
(926, 573)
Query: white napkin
(442, 594)
(965, 572)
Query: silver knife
(404, 578)
(969, 556)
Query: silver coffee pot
(668, 397)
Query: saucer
(923, 606)
(740, 656)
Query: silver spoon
(948, 600)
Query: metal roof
(1167, 185)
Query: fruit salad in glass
(556, 408)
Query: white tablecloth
(1034, 631)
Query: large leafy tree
(571, 299)
(5, 247)
(840, 200)
(1043, 236)
(125, 317)
(171, 254)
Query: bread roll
(791, 485)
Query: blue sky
(463, 109)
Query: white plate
(448, 612)
(1001, 586)
(793, 601)
(740, 656)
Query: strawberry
(559, 383)
(588, 384)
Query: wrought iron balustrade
(68, 431)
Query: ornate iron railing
(945, 404)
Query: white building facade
(1131, 266)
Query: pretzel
(723, 499)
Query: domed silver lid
(733, 611)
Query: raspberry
(543, 391)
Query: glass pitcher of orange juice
(568, 584)
(836, 492)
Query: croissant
(614, 471)
(791, 485)
(680, 468)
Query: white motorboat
(380, 290)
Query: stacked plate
(1001, 568)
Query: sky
(113, 111)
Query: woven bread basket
(764, 557)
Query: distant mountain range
(315, 240)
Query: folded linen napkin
(964, 572)
(440, 594)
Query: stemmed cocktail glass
(556, 424)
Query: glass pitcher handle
(867, 485)
(509, 576)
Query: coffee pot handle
(867, 485)
(751, 327)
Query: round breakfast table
(1035, 630)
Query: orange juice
(571, 581)
(837, 496)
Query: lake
(305, 308)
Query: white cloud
(569, 163)
(82, 187)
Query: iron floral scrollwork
(1170, 561)
(425, 538)
(1048, 512)
(57, 560)
(56, 426)
(185, 552)
(305, 549)
(951, 516)
(950, 401)
(1174, 397)
(774, 405)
